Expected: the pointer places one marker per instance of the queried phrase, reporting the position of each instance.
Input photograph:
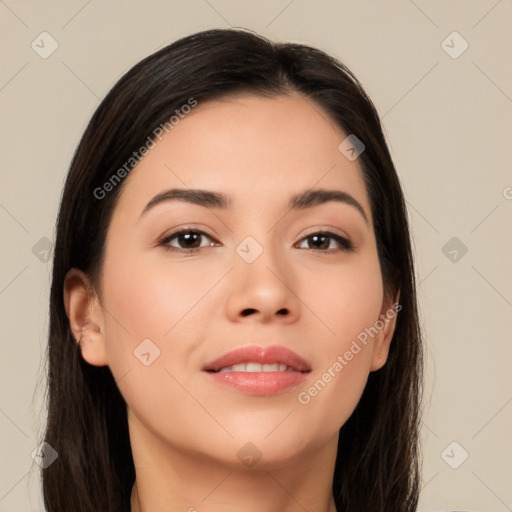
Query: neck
(168, 478)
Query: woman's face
(253, 273)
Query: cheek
(349, 304)
(150, 330)
(347, 300)
(152, 299)
(154, 316)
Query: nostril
(250, 311)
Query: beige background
(449, 126)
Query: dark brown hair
(377, 467)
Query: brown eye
(189, 240)
(186, 240)
(323, 242)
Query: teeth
(252, 367)
(255, 367)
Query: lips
(270, 355)
(260, 371)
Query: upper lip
(263, 355)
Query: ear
(85, 316)
(382, 341)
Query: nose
(263, 291)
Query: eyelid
(323, 228)
(200, 228)
(345, 242)
(165, 239)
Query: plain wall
(448, 122)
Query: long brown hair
(377, 466)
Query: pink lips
(259, 383)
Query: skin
(185, 429)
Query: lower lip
(259, 383)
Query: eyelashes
(315, 241)
(345, 244)
(187, 236)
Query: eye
(191, 240)
(186, 240)
(323, 241)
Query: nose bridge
(261, 262)
(262, 279)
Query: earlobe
(85, 316)
(382, 341)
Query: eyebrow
(209, 199)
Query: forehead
(252, 148)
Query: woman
(233, 316)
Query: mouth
(258, 370)
(253, 367)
